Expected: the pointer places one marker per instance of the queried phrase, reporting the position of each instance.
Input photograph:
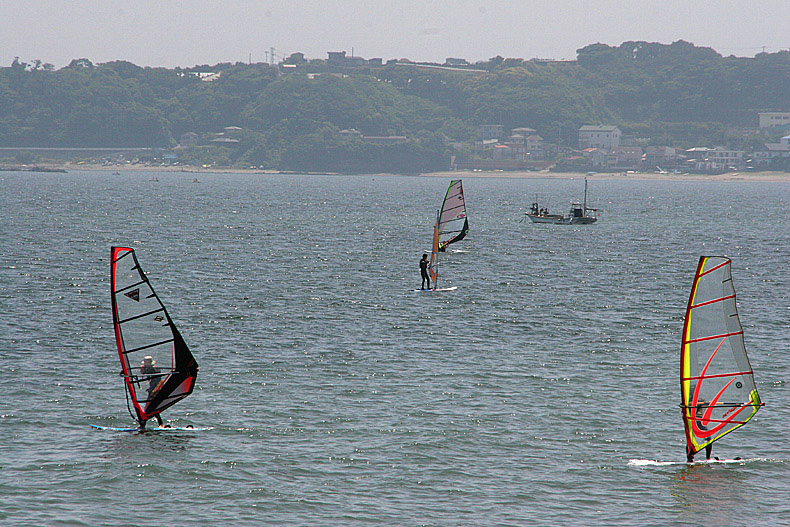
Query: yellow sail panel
(716, 380)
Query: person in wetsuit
(424, 272)
(148, 367)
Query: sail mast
(433, 265)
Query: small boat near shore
(580, 213)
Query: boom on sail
(716, 379)
(158, 368)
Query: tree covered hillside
(677, 94)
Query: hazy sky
(189, 32)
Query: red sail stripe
(713, 337)
(718, 375)
(714, 268)
(713, 301)
(712, 420)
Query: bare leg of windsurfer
(159, 422)
(708, 451)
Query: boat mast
(585, 196)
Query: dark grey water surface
(338, 396)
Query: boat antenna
(585, 195)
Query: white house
(764, 155)
(599, 136)
(774, 119)
(718, 158)
(490, 131)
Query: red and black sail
(158, 368)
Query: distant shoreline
(515, 174)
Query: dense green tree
(677, 94)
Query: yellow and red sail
(716, 379)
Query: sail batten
(141, 315)
(147, 346)
(158, 368)
(713, 301)
(130, 286)
(717, 375)
(716, 379)
(713, 337)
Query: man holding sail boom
(148, 367)
(701, 406)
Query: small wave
(655, 463)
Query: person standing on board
(701, 405)
(424, 272)
(148, 367)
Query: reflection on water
(709, 493)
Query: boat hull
(562, 220)
(583, 221)
(551, 218)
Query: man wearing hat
(148, 367)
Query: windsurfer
(148, 367)
(699, 414)
(424, 272)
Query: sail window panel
(135, 302)
(145, 388)
(127, 272)
(161, 353)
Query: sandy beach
(636, 176)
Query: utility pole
(272, 56)
(266, 54)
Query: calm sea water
(338, 396)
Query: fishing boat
(580, 213)
(158, 368)
(716, 380)
(453, 223)
(540, 214)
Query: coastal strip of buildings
(606, 148)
